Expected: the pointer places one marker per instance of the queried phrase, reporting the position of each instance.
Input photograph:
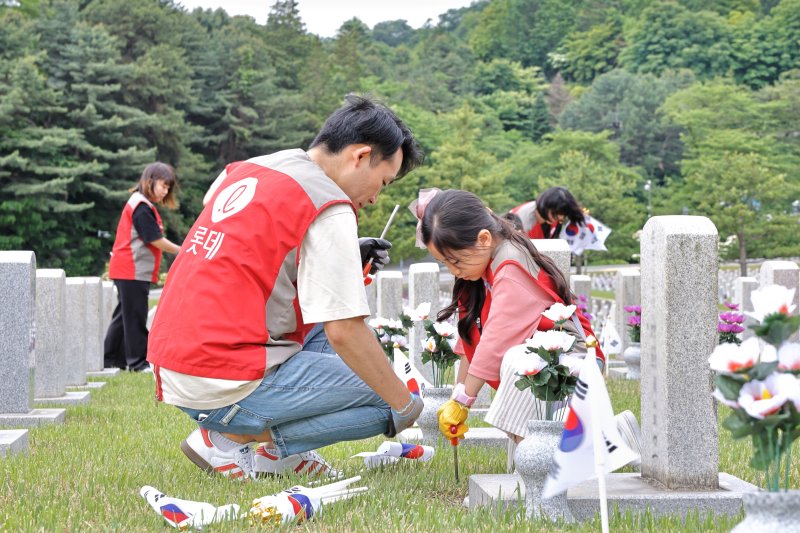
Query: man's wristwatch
(460, 395)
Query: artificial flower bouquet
(551, 373)
(634, 322)
(437, 349)
(730, 324)
(758, 380)
(393, 333)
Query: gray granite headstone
(18, 343)
(17, 331)
(785, 274)
(13, 441)
(629, 292)
(50, 316)
(423, 286)
(390, 293)
(558, 251)
(75, 337)
(581, 284)
(743, 287)
(679, 264)
(94, 329)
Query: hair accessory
(417, 207)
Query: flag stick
(600, 453)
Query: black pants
(126, 339)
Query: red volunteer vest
(131, 257)
(545, 283)
(231, 295)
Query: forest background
(639, 107)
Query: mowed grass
(86, 475)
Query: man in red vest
(259, 335)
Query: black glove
(375, 249)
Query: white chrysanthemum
(399, 341)
(377, 323)
(551, 340)
(729, 357)
(445, 329)
(771, 299)
(420, 313)
(559, 312)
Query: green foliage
(669, 36)
(590, 53)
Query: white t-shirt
(329, 287)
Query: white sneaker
(631, 435)
(268, 463)
(235, 464)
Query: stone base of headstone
(13, 441)
(626, 492)
(479, 413)
(35, 417)
(488, 437)
(105, 373)
(620, 372)
(69, 398)
(89, 385)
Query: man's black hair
(362, 121)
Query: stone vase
(770, 511)
(428, 420)
(633, 359)
(534, 457)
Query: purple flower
(736, 328)
(736, 319)
(726, 316)
(588, 316)
(634, 321)
(582, 298)
(724, 328)
(634, 309)
(732, 306)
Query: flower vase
(534, 458)
(428, 420)
(770, 511)
(633, 360)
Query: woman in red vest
(502, 287)
(135, 261)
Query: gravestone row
(51, 331)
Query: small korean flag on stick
(590, 445)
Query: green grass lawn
(86, 475)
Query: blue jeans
(312, 400)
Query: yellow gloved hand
(452, 413)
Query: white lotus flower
(721, 399)
(445, 329)
(533, 365)
(394, 324)
(572, 362)
(559, 312)
(551, 340)
(399, 341)
(377, 323)
(729, 357)
(763, 398)
(420, 313)
(429, 345)
(771, 299)
(789, 357)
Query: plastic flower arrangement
(758, 380)
(437, 348)
(391, 334)
(730, 325)
(551, 374)
(634, 322)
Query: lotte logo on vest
(233, 199)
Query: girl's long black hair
(452, 221)
(559, 201)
